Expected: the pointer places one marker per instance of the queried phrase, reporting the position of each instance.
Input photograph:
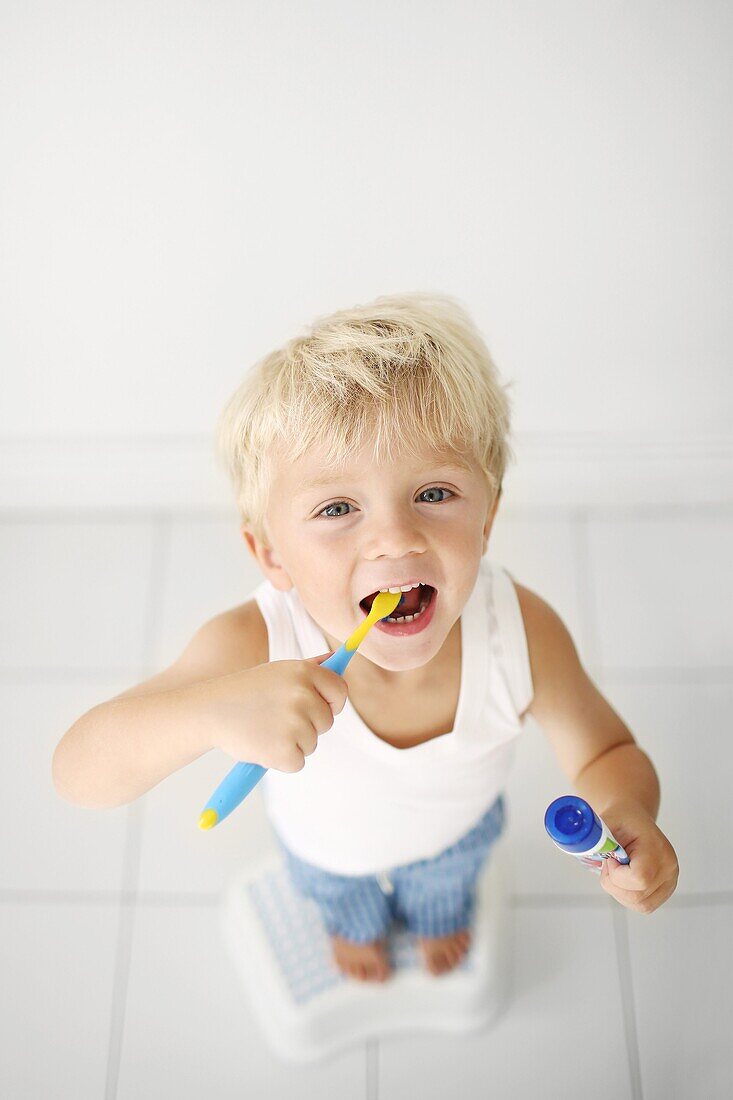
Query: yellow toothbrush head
(384, 604)
(208, 819)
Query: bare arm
(594, 747)
(599, 755)
(121, 748)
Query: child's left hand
(651, 876)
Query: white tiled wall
(108, 916)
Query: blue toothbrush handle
(234, 787)
(243, 777)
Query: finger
(308, 741)
(618, 878)
(643, 873)
(320, 714)
(332, 687)
(649, 903)
(630, 898)
(658, 897)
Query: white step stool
(308, 1010)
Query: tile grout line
(32, 896)
(123, 950)
(657, 675)
(589, 613)
(626, 984)
(372, 1069)
(160, 552)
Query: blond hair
(405, 370)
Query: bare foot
(365, 961)
(442, 953)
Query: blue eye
(337, 503)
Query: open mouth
(411, 606)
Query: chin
(401, 666)
(405, 657)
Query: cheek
(324, 583)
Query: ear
(267, 560)
(490, 519)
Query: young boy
(369, 454)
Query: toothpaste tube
(577, 830)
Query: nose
(394, 533)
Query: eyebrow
(316, 483)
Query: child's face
(372, 527)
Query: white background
(182, 187)
(185, 185)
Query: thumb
(321, 657)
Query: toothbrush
(240, 780)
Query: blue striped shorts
(431, 897)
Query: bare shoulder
(232, 640)
(553, 657)
(229, 642)
(578, 720)
(541, 621)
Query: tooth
(401, 588)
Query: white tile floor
(114, 980)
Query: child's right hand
(273, 714)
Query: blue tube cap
(572, 824)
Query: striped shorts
(431, 897)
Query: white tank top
(361, 806)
